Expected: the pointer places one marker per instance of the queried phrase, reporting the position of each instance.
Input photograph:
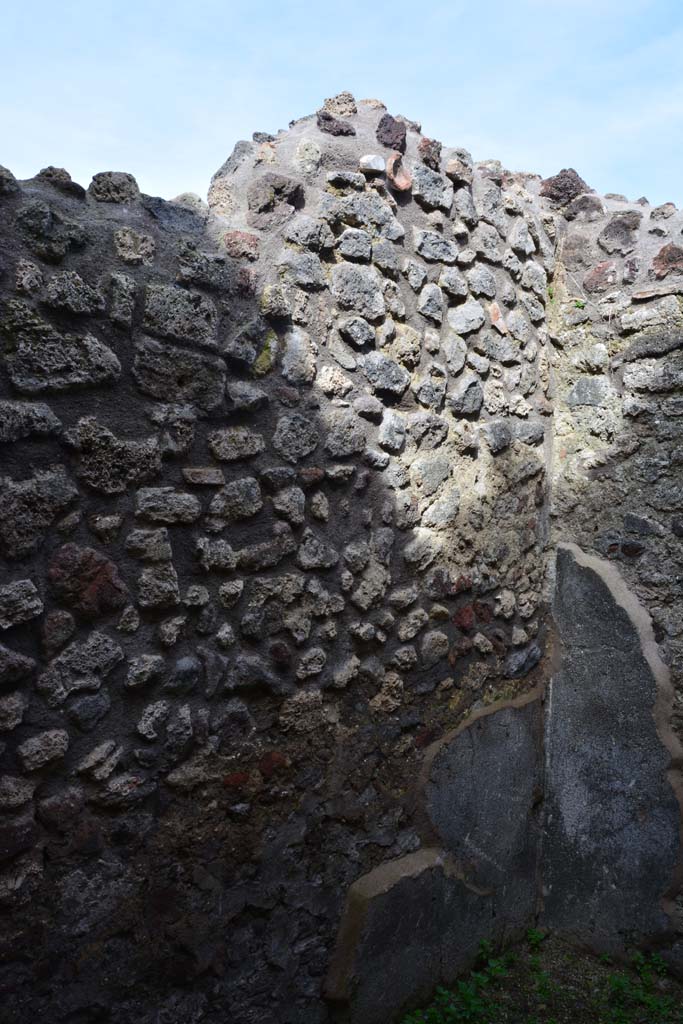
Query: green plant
(535, 938)
(579, 303)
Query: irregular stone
(620, 234)
(68, 291)
(19, 602)
(391, 133)
(564, 186)
(108, 464)
(432, 190)
(307, 157)
(12, 708)
(240, 499)
(398, 175)
(290, 503)
(433, 648)
(235, 443)
(601, 278)
(113, 187)
(358, 289)
(19, 420)
(434, 247)
(295, 437)
(309, 232)
(15, 792)
(300, 355)
(14, 666)
(385, 375)
(48, 233)
(157, 587)
(272, 199)
(481, 281)
(466, 318)
(332, 125)
(585, 209)
(81, 666)
(133, 247)
(313, 553)
(392, 432)
(345, 434)
(172, 312)
(669, 260)
(430, 303)
(145, 669)
(467, 397)
(37, 751)
(29, 507)
(40, 358)
(166, 505)
(591, 391)
(175, 375)
(241, 245)
(303, 269)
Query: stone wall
(283, 479)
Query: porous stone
(29, 507)
(37, 751)
(19, 602)
(113, 187)
(358, 289)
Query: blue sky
(164, 89)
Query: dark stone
(620, 233)
(430, 152)
(332, 125)
(14, 667)
(87, 712)
(113, 187)
(564, 186)
(520, 663)
(61, 180)
(669, 260)
(29, 507)
(49, 234)
(392, 133)
(87, 581)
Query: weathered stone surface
(619, 235)
(175, 375)
(29, 507)
(564, 186)
(41, 359)
(466, 318)
(240, 499)
(612, 819)
(113, 187)
(434, 247)
(81, 666)
(358, 289)
(86, 581)
(109, 464)
(37, 751)
(295, 437)
(392, 133)
(296, 520)
(182, 315)
(332, 125)
(157, 587)
(432, 190)
(165, 505)
(235, 443)
(19, 420)
(19, 602)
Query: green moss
(266, 358)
